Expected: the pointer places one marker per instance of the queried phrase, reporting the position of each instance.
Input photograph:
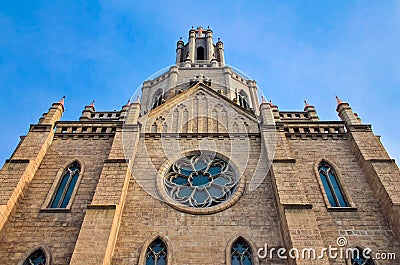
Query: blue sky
(104, 50)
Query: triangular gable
(199, 109)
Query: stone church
(200, 169)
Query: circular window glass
(200, 180)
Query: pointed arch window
(243, 100)
(359, 258)
(156, 253)
(66, 186)
(331, 185)
(241, 253)
(38, 257)
(200, 53)
(158, 99)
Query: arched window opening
(200, 53)
(156, 253)
(331, 185)
(158, 99)
(241, 253)
(358, 257)
(38, 257)
(66, 186)
(243, 100)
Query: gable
(199, 109)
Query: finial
(192, 27)
(219, 39)
(272, 104)
(128, 103)
(306, 103)
(339, 101)
(137, 100)
(92, 104)
(62, 100)
(263, 101)
(208, 27)
(180, 38)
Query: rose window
(200, 180)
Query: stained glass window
(156, 253)
(200, 180)
(331, 185)
(66, 186)
(36, 258)
(241, 253)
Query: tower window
(158, 99)
(200, 53)
(66, 186)
(241, 253)
(156, 253)
(331, 185)
(243, 100)
(38, 257)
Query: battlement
(303, 130)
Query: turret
(266, 113)
(220, 52)
(312, 114)
(133, 112)
(346, 113)
(210, 47)
(87, 112)
(54, 114)
(179, 51)
(192, 40)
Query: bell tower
(200, 48)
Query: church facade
(200, 169)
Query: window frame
(45, 250)
(158, 97)
(203, 55)
(243, 100)
(142, 255)
(228, 252)
(192, 210)
(339, 179)
(56, 183)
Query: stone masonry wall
(192, 238)
(365, 226)
(29, 227)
